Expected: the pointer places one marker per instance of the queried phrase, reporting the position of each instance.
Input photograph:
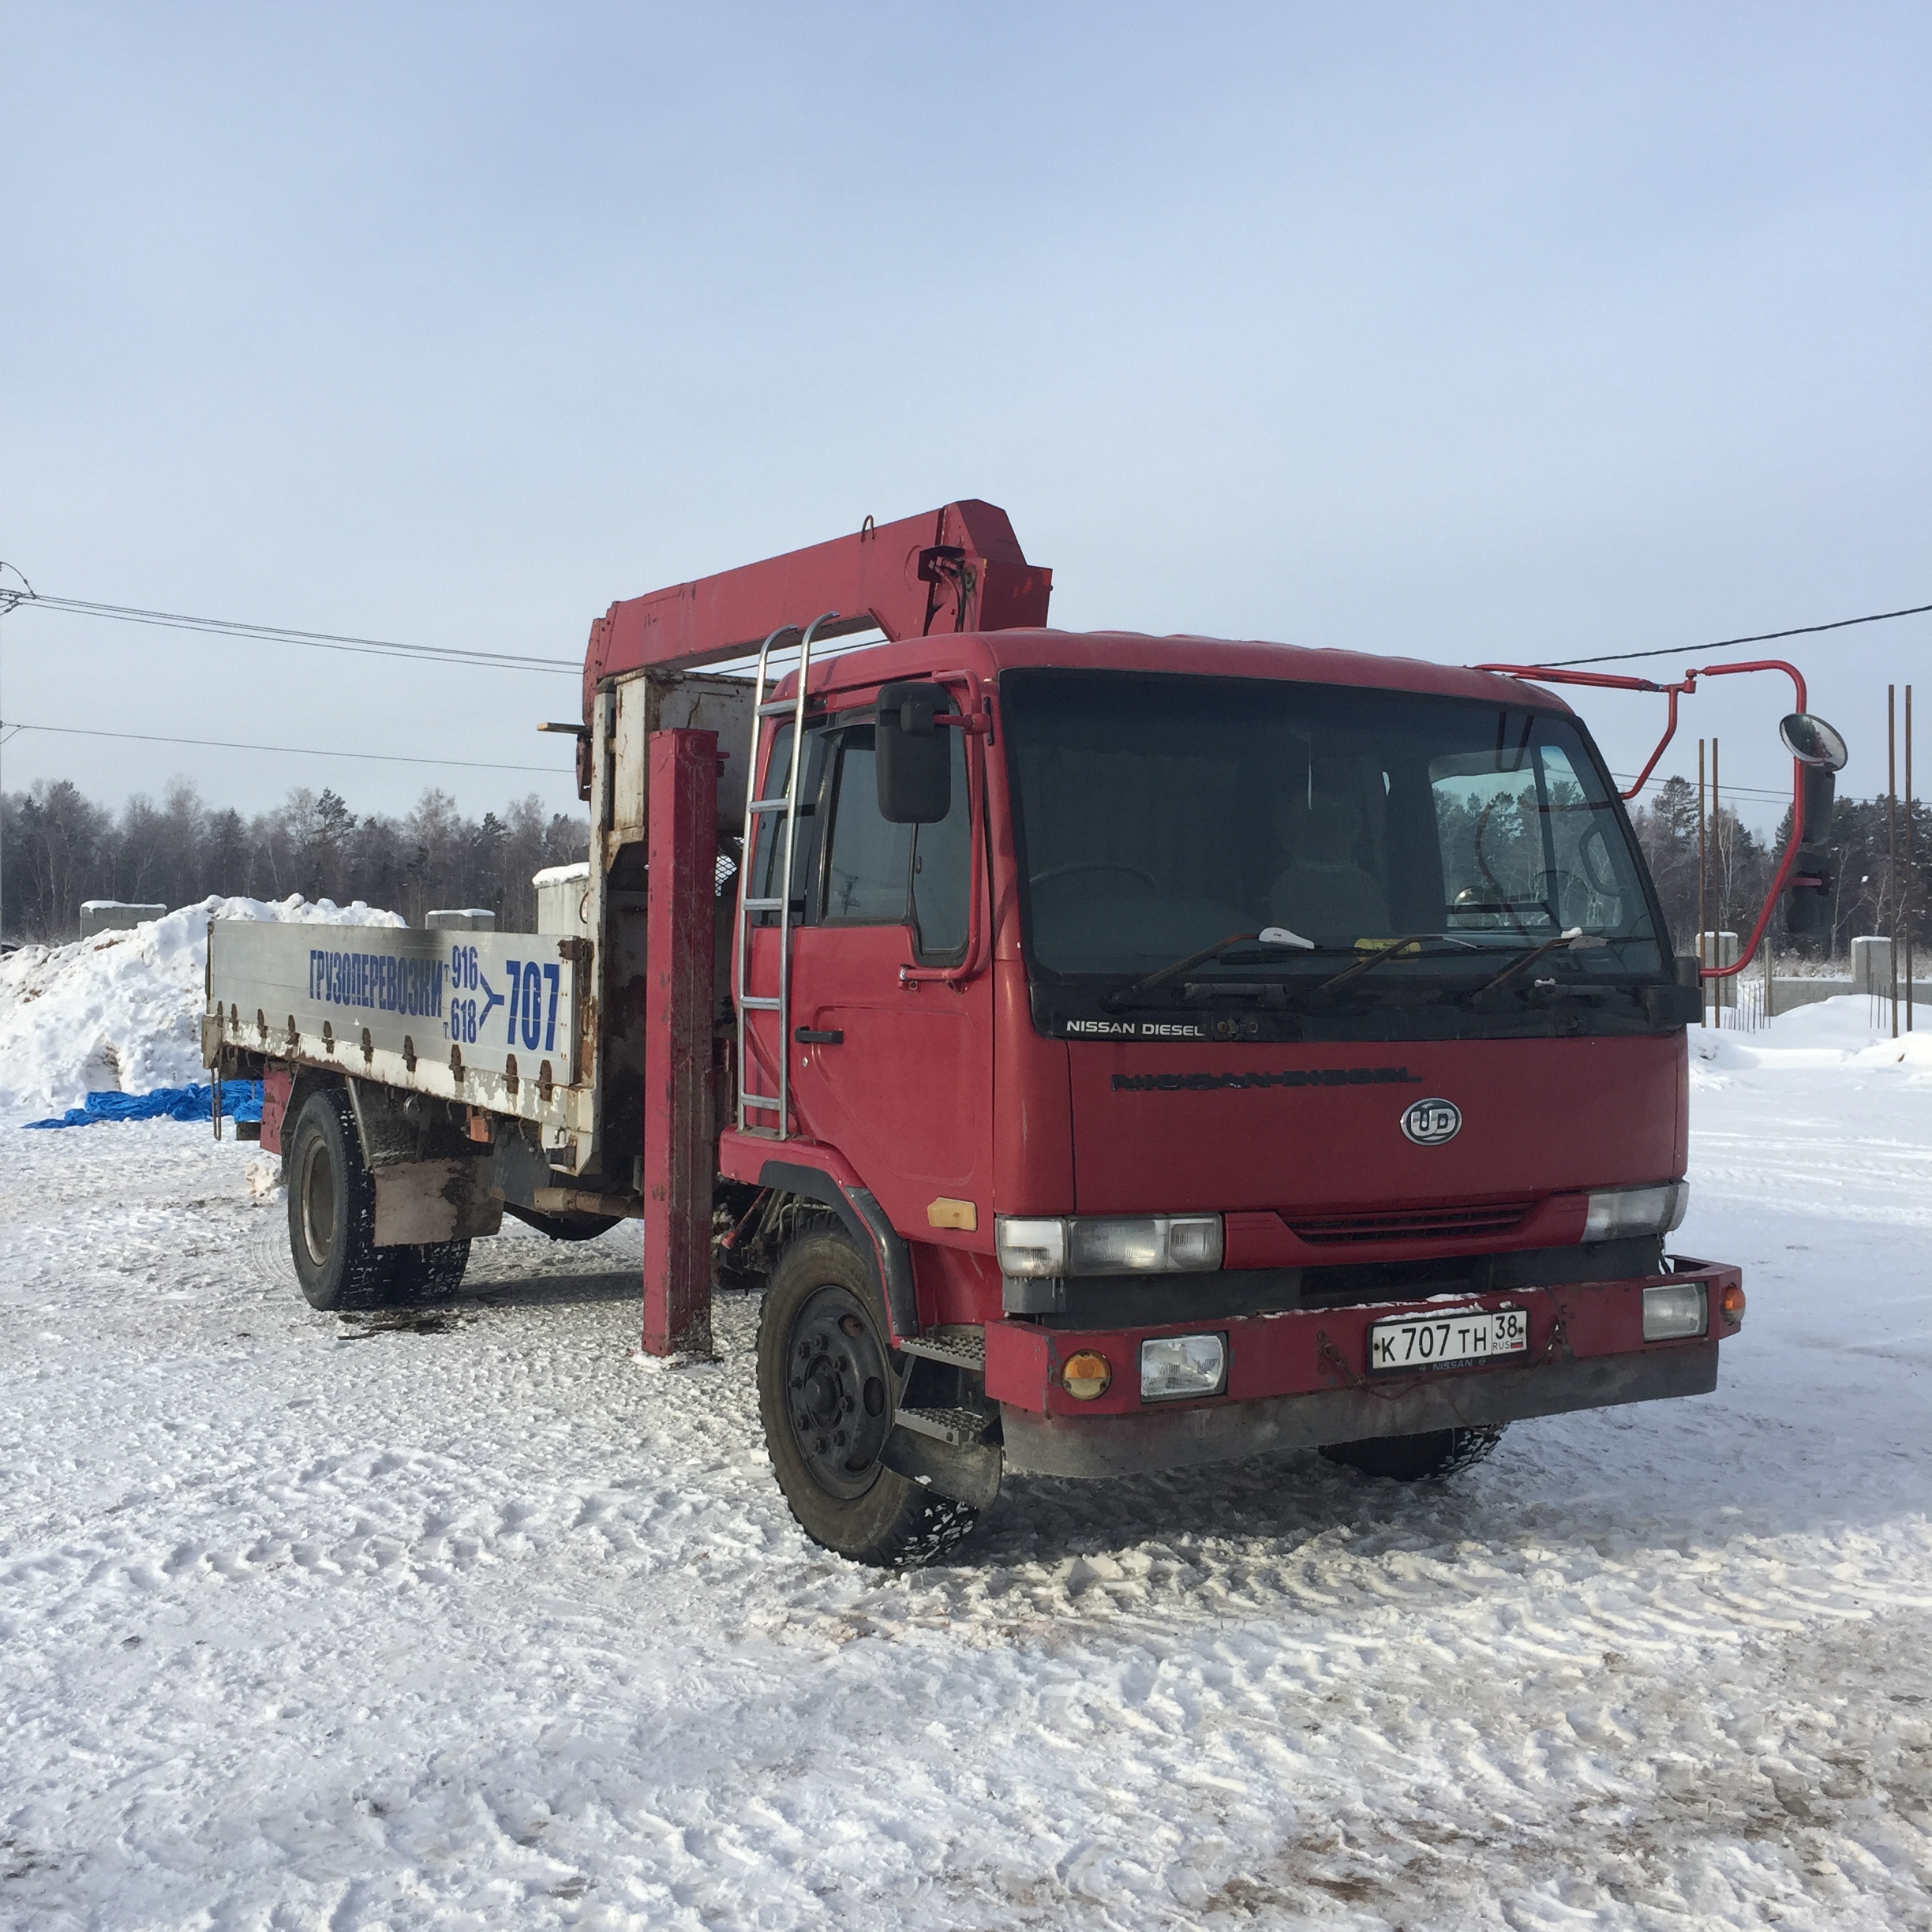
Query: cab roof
(988, 652)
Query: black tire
(1418, 1459)
(331, 1209)
(825, 1378)
(431, 1273)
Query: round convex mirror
(1811, 741)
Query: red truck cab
(1150, 1050)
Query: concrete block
(1871, 964)
(1719, 948)
(563, 894)
(100, 916)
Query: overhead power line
(1762, 637)
(223, 744)
(275, 634)
(1730, 791)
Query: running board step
(957, 1347)
(962, 1427)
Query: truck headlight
(1109, 1245)
(1674, 1311)
(1174, 1365)
(1621, 1211)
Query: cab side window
(942, 872)
(766, 872)
(882, 874)
(869, 863)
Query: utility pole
(1703, 922)
(1911, 877)
(1891, 846)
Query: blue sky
(1489, 331)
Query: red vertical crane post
(958, 568)
(677, 1044)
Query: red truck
(1110, 1052)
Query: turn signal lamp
(1086, 1376)
(1732, 1305)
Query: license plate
(1407, 1343)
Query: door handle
(814, 1036)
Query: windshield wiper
(1575, 940)
(1410, 946)
(1272, 936)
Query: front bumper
(1300, 1378)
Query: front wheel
(825, 1397)
(1416, 1458)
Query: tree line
(1873, 893)
(58, 848)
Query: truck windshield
(1159, 813)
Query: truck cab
(1206, 1048)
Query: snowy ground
(306, 1622)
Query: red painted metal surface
(1541, 1117)
(848, 678)
(677, 1044)
(906, 1094)
(1608, 680)
(276, 1083)
(939, 1090)
(952, 1091)
(1310, 1350)
(952, 569)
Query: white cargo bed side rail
(489, 1019)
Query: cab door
(895, 1072)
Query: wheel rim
(318, 1202)
(837, 1392)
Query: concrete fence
(1870, 974)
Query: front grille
(1430, 1224)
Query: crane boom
(958, 568)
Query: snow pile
(121, 1012)
(1852, 1030)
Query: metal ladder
(747, 1002)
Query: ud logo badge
(1429, 1123)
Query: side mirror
(912, 756)
(1812, 742)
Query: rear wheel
(825, 1383)
(1416, 1459)
(431, 1273)
(331, 1209)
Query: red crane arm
(960, 568)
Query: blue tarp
(240, 1100)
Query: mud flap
(967, 1473)
(418, 1203)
